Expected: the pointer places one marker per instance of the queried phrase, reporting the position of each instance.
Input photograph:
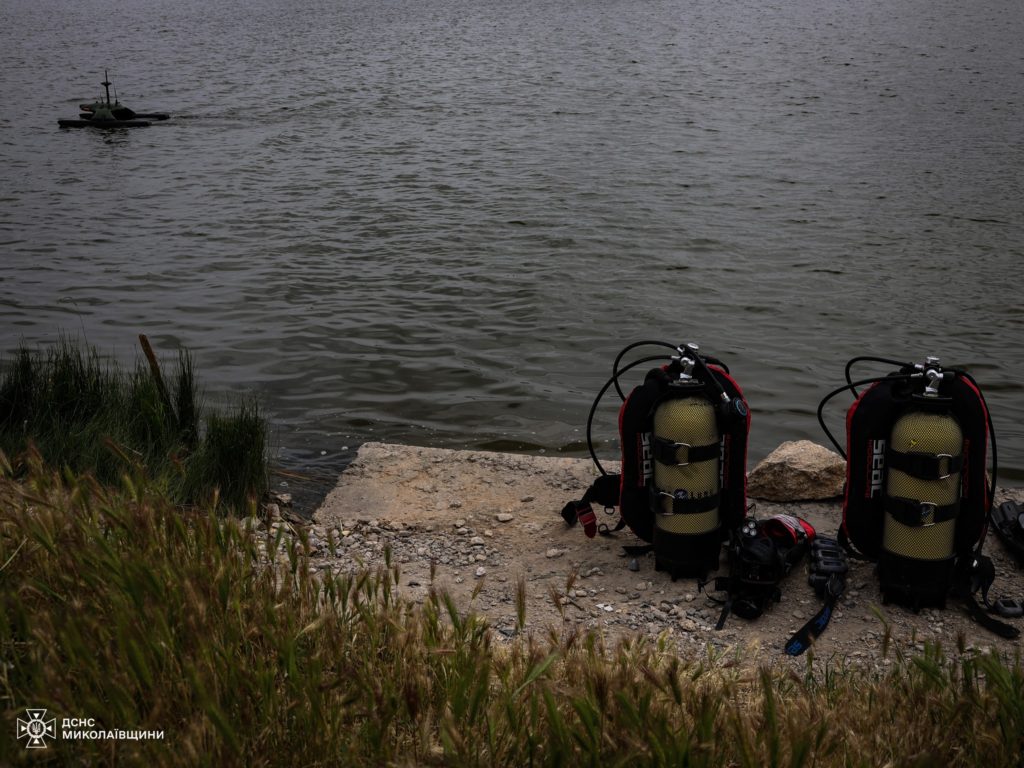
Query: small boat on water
(120, 112)
(110, 114)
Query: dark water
(437, 221)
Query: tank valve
(934, 375)
(688, 359)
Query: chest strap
(925, 466)
(673, 454)
(919, 513)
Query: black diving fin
(1008, 521)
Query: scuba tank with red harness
(918, 498)
(683, 439)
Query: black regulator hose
(731, 410)
(618, 359)
(872, 359)
(851, 386)
(593, 408)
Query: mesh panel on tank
(688, 420)
(932, 433)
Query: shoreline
(477, 523)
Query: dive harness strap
(843, 538)
(914, 513)
(978, 577)
(924, 466)
(682, 505)
(673, 454)
(604, 491)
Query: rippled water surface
(437, 221)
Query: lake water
(437, 221)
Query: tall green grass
(116, 606)
(92, 416)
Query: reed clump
(95, 417)
(119, 607)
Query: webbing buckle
(678, 495)
(928, 508)
(949, 464)
(661, 507)
(675, 453)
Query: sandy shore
(477, 523)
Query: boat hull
(94, 123)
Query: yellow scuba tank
(683, 437)
(686, 492)
(918, 485)
(922, 498)
(684, 423)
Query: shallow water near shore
(437, 222)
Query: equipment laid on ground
(827, 574)
(917, 492)
(1008, 522)
(760, 555)
(683, 440)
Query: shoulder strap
(844, 541)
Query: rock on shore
(798, 470)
